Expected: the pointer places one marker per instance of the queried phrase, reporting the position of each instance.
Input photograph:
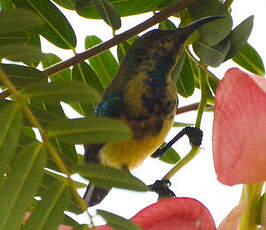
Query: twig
(6, 93)
(165, 13)
(187, 108)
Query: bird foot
(161, 187)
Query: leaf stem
(193, 106)
(228, 3)
(195, 149)
(193, 152)
(252, 194)
(45, 139)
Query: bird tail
(94, 195)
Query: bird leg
(194, 136)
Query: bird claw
(161, 187)
(194, 135)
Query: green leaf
(249, 59)
(18, 190)
(22, 75)
(68, 4)
(6, 5)
(10, 124)
(170, 156)
(84, 109)
(90, 130)
(185, 80)
(48, 214)
(44, 117)
(51, 59)
(182, 124)
(167, 25)
(21, 52)
(29, 132)
(34, 41)
(178, 67)
(108, 13)
(239, 36)
(18, 20)
(25, 140)
(54, 108)
(57, 29)
(50, 178)
(123, 48)
(70, 222)
(107, 177)
(213, 32)
(67, 154)
(84, 73)
(67, 91)
(117, 222)
(104, 65)
(13, 38)
(212, 55)
(213, 83)
(125, 8)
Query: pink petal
(232, 221)
(175, 214)
(239, 128)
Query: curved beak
(185, 32)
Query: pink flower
(173, 214)
(239, 128)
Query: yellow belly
(129, 154)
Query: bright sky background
(197, 179)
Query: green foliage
(51, 59)
(125, 8)
(183, 72)
(67, 91)
(117, 222)
(108, 177)
(249, 59)
(22, 75)
(56, 29)
(10, 125)
(170, 156)
(104, 65)
(29, 168)
(21, 185)
(18, 42)
(107, 12)
(48, 213)
(89, 130)
(213, 32)
(21, 52)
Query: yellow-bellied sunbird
(143, 95)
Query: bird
(144, 97)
